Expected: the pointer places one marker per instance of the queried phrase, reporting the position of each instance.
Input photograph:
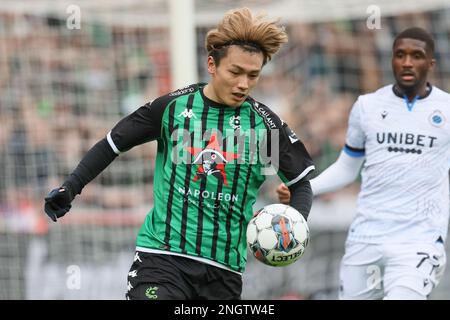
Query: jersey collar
(410, 104)
(399, 93)
(211, 103)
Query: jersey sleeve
(139, 127)
(295, 163)
(356, 138)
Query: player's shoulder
(163, 101)
(439, 94)
(265, 113)
(383, 92)
(371, 100)
(186, 90)
(173, 95)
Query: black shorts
(155, 276)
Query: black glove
(57, 203)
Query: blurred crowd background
(61, 90)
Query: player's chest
(218, 138)
(417, 130)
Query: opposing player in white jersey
(401, 132)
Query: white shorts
(377, 271)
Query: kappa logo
(384, 114)
(292, 136)
(137, 258)
(187, 113)
(132, 274)
(129, 286)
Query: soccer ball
(277, 235)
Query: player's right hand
(58, 202)
(284, 195)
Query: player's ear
(432, 64)
(211, 65)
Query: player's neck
(413, 93)
(210, 93)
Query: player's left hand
(57, 203)
(284, 195)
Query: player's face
(235, 76)
(411, 63)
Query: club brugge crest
(437, 119)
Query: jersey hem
(203, 260)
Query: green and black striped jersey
(210, 164)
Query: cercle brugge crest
(235, 122)
(437, 119)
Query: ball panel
(267, 239)
(259, 254)
(252, 232)
(301, 231)
(263, 221)
(294, 215)
(277, 208)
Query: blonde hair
(253, 33)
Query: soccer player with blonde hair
(209, 168)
